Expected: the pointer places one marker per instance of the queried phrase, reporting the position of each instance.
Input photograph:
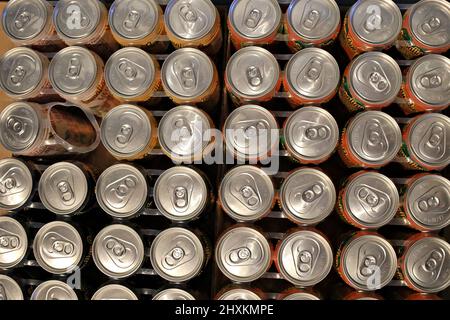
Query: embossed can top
(177, 255)
(53, 290)
(9, 289)
(305, 258)
(118, 251)
(13, 243)
(121, 190)
(301, 296)
(114, 292)
(173, 294)
(246, 193)
(16, 184)
(239, 294)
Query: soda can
(254, 22)
(368, 200)
(9, 289)
(114, 292)
(361, 295)
(312, 23)
(311, 76)
(310, 135)
(128, 132)
(173, 294)
(307, 196)
(239, 293)
(370, 139)
(303, 257)
(366, 261)
(422, 296)
(53, 290)
(243, 254)
(371, 81)
(13, 243)
(252, 74)
(247, 193)
(118, 251)
(298, 294)
(370, 25)
(425, 29)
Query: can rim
(181, 292)
(24, 239)
(233, 291)
(43, 285)
(113, 286)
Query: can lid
(63, 188)
(173, 294)
(305, 258)
(430, 22)
(375, 77)
(177, 255)
(118, 251)
(133, 19)
(374, 137)
(239, 294)
(9, 289)
(126, 130)
(121, 190)
(16, 184)
(114, 292)
(252, 72)
(313, 20)
(58, 247)
(13, 243)
(243, 254)
(307, 196)
(376, 21)
(53, 290)
(180, 193)
(311, 133)
(301, 296)
(72, 70)
(428, 201)
(255, 19)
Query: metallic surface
(13, 243)
(16, 184)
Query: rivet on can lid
(114, 292)
(13, 243)
(9, 289)
(173, 294)
(16, 184)
(239, 294)
(54, 290)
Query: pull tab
(183, 131)
(124, 135)
(251, 253)
(431, 25)
(174, 257)
(57, 246)
(180, 187)
(374, 19)
(8, 241)
(371, 74)
(180, 198)
(127, 69)
(66, 192)
(254, 130)
(308, 134)
(371, 257)
(435, 201)
(18, 125)
(305, 253)
(429, 267)
(122, 253)
(18, 74)
(62, 183)
(3, 296)
(254, 76)
(305, 198)
(433, 142)
(74, 68)
(253, 18)
(378, 81)
(310, 77)
(11, 183)
(119, 192)
(188, 13)
(312, 193)
(239, 255)
(374, 143)
(22, 20)
(311, 19)
(76, 18)
(373, 201)
(245, 189)
(182, 251)
(132, 19)
(188, 77)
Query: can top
(376, 21)
(310, 133)
(16, 184)
(375, 77)
(126, 130)
(9, 289)
(118, 251)
(255, 19)
(428, 201)
(239, 294)
(63, 188)
(130, 72)
(121, 190)
(243, 254)
(190, 20)
(307, 196)
(53, 290)
(313, 20)
(133, 19)
(58, 247)
(114, 292)
(180, 193)
(177, 254)
(366, 256)
(252, 72)
(173, 294)
(374, 137)
(246, 193)
(429, 77)
(427, 264)
(301, 296)
(305, 258)
(13, 243)
(430, 22)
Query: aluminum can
(239, 293)
(361, 295)
(114, 292)
(173, 294)
(9, 289)
(298, 294)
(53, 290)
(13, 243)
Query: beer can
(9, 289)
(370, 25)
(310, 135)
(311, 76)
(118, 251)
(53, 290)
(307, 196)
(238, 293)
(362, 295)
(425, 29)
(303, 257)
(366, 261)
(13, 243)
(114, 292)
(298, 294)
(370, 139)
(312, 23)
(370, 81)
(253, 22)
(173, 294)
(426, 86)
(246, 193)
(128, 132)
(368, 200)
(252, 74)
(243, 254)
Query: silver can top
(13, 242)
(9, 289)
(301, 296)
(173, 294)
(58, 247)
(305, 258)
(16, 184)
(252, 72)
(118, 251)
(243, 254)
(114, 292)
(54, 290)
(121, 190)
(177, 255)
(239, 294)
